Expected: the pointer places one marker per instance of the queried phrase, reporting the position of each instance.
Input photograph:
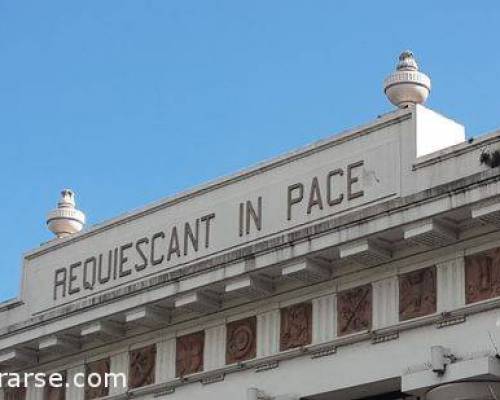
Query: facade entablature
(386, 239)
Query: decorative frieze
(354, 310)
(417, 293)
(142, 367)
(296, 326)
(97, 368)
(482, 275)
(241, 340)
(189, 354)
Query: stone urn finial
(65, 219)
(407, 85)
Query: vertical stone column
(119, 364)
(33, 392)
(450, 284)
(324, 318)
(72, 391)
(165, 359)
(385, 302)
(215, 347)
(268, 333)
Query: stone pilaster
(268, 333)
(450, 284)
(324, 318)
(119, 365)
(215, 347)
(165, 360)
(72, 391)
(385, 302)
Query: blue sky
(127, 102)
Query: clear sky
(127, 102)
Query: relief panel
(101, 367)
(296, 326)
(354, 310)
(417, 293)
(142, 365)
(56, 393)
(482, 276)
(241, 340)
(15, 393)
(189, 354)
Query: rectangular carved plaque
(296, 326)
(97, 368)
(189, 354)
(417, 293)
(482, 276)
(56, 393)
(142, 365)
(241, 340)
(15, 393)
(354, 310)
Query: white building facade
(366, 265)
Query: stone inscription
(189, 354)
(482, 276)
(101, 368)
(354, 310)
(15, 393)
(241, 340)
(296, 326)
(56, 393)
(417, 293)
(176, 243)
(142, 367)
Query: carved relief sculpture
(296, 326)
(101, 368)
(15, 393)
(417, 293)
(241, 340)
(189, 353)
(482, 276)
(354, 310)
(56, 393)
(142, 367)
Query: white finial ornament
(407, 85)
(65, 219)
